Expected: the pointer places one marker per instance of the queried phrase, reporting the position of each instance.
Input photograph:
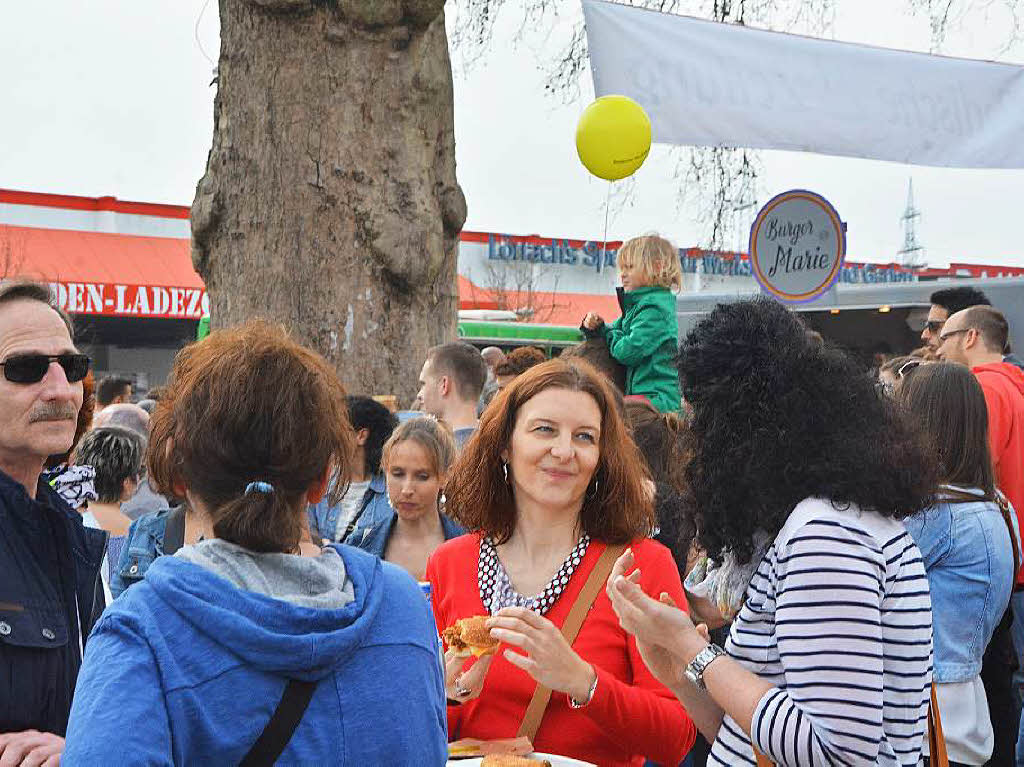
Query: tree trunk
(330, 202)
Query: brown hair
(226, 420)
(664, 442)
(656, 257)
(620, 509)
(464, 364)
(519, 361)
(947, 402)
(433, 436)
(991, 326)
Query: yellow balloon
(613, 137)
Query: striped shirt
(838, 618)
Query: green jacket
(646, 340)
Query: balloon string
(607, 205)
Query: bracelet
(573, 703)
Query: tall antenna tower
(912, 254)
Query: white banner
(709, 84)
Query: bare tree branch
(515, 287)
(715, 184)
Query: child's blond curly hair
(656, 257)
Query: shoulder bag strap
(1004, 508)
(573, 622)
(937, 756)
(174, 532)
(283, 722)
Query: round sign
(797, 246)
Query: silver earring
(443, 499)
(504, 470)
(593, 492)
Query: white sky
(113, 98)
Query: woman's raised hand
(549, 659)
(665, 636)
(463, 684)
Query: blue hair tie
(259, 487)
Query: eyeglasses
(934, 326)
(950, 334)
(31, 368)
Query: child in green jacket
(645, 339)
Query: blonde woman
(416, 460)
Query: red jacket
(631, 716)
(1003, 385)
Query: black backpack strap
(174, 532)
(283, 722)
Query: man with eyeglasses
(976, 337)
(50, 588)
(946, 303)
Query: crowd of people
(750, 551)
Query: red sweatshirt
(1003, 385)
(631, 716)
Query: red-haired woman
(550, 481)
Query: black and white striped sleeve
(832, 631)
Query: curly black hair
(777, 419)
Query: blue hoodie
(186, 668)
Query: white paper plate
(556, 761)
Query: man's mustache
(54, 411)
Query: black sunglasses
(30, 368)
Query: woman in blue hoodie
(250, 625)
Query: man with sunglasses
(50, 590)
(946, 303)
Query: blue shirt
(373, 530)
(323, 517)
(968, 557)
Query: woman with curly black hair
(829, 658)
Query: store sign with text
(117, 300)
(797, 246)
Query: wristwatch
(696, 668)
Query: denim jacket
(145, 543)
(323, 518)
(373, 531)
(969, 560)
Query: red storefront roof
(59, 255)
(103, 273)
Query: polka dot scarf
(496, 589)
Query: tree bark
(330, 202)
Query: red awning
(129, 275)
(66, 256)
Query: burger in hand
(469, 637)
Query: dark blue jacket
(373, 530)
(49, 581)
(185, 668)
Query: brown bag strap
(1004, 509)
(571, 627)
(937, 756)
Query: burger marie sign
(797, 246)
